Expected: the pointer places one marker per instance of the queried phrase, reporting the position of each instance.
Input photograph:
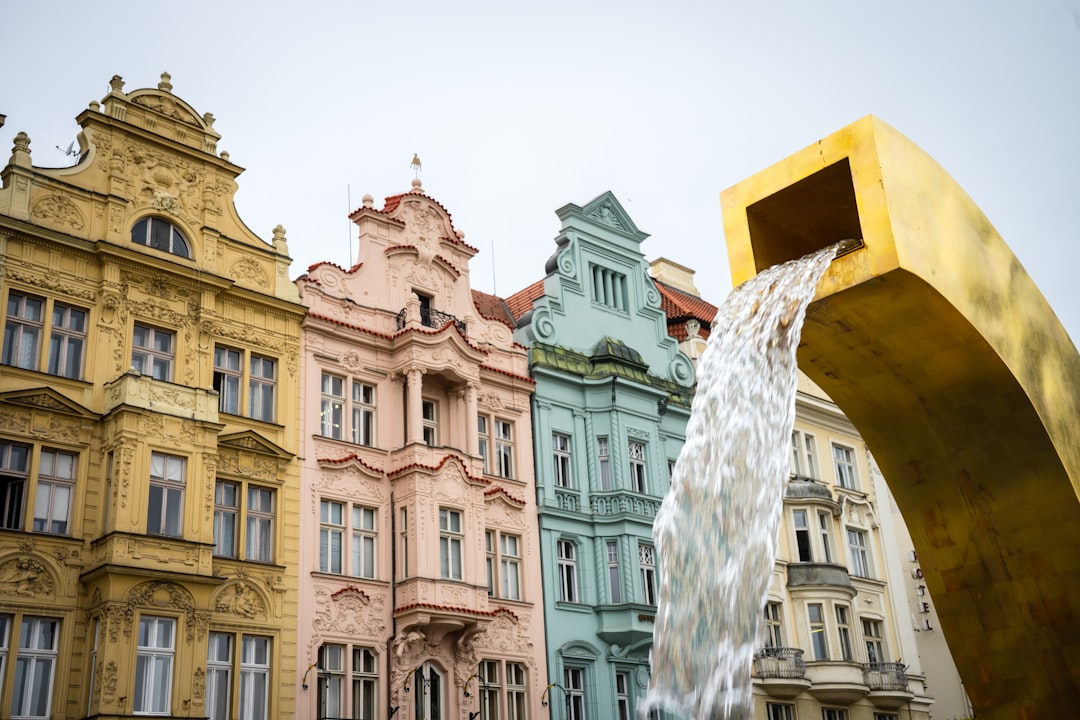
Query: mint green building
(610, 409)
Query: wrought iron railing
(433, 319)
(885, 676)
(779, 662)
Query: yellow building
(148, 472)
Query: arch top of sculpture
(931, 337)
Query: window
(152, 351)
(604, 461)
(363, 542)
(507, 560)
(574, 682)
(154, 666)
(227, 378)
(843, 631)
(332, 410)
(219, 676)
(365, 678)
(824, 522)
(637, 467)
(95, 633)
(614, 572)
(485, 441)
(622, 696)
(608, 288)
(886, 716)
(254, 692)
(35, 665)
(430, 421)
(859, 550)
(844, 461)
(22, 332)
(14, 471)
(803, 456)
(331, 681)
(516, 689)
(833, 714)
(875, 647)
(166, 508)
(404, 535)
(567, 563)
(332, 692)
(773, 630)
(817, 631)
(490, 689)
(67, 341)
(261, 388)
(450, 538)
(647, 563)
(363, 413)
(560, 447)
(55, 486)
(226, 510)
(779, 711)
(802, 536)
(259, 545)
(160, 234)
(429, 697)
(5, 632)
(331, 536)
(504, 448)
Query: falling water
(716, 531)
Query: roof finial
(415, 165)
(166, 82)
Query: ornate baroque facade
(609, 418)
(148, 470)
(420, 556)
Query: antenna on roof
(494, 290)
(71, 149)
(348, 211)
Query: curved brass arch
(941, 350)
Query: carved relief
(48, 282)
(58, 210)
(159, 593)
(508, 633)
(249, 270)
(109, 681)
(348, 611)
(240, 599)
(198, 685)
(25, 577)
(491, 401)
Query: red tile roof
(680, 306)
(492, 307)
(521, 302)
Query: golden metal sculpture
(939, 347)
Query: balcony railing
(779, 662)
(886, 676)
(433, 319)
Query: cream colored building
(148, 473)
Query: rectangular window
(219, 664)
(504, 448)
(261, 388)
(647, 563)
(95, 633)
(802, 536)
(226, 511)
(484, 432)
(886, 716)
(35, 665)
(259, 544)
(803, 455)
(516, 688)
(608, 288)
(55, 487)
(560, 446)
(331, 681)
(844, 461)
(636, 452)
(365, 679)
(567, 563)
(227, 378)
(404, 535)
(14, 471)
(574, 681)
(152, 351)
(824, 524)
(254, 692)
(510, 566)
(491, 560)
(875, 646)
(430, 421)
(817, 631)
(450, 538)
(843, 631)
(363, 542)
(331, 536)
(614, 572)
(774, 637)
(860, 554)
(67, 341)
(165, 514)
(154, 666)
(622, 696)
(363, 413)
(22, 331)
(332, 408)
(5, 633)
(833, 714)
(490, 689)
(604, 461)
(779, 711)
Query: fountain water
(716, 531)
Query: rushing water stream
(716, 531)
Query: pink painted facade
(420, 583)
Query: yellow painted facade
(935, 342)
(148, 428)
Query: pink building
(420, 591)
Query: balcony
(888, 683)
(819, 575)
(432, 319)
(625, 624)
(837, 682)
(142, 391)
(624, 503)
(780, 671)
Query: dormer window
(160, 234)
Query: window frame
(172, 492)
(429, 421)
(153, 655)
(574, 685)
(779, 711)
(873, 631)
(804, 545)
(638, 459)
(262, 387)
(858, 542)
(819, 641)
(55, 482)
(229, 378)
(451, 541)
(566, 562)
(614, 572)
(177, 241)
(773, 625)
(845, 466)
(804, 455)
(603, 463)
(22, 332)
(30, 652)
(843, 631)
(14, 483)
(562, 454)
(647, 568)
(146, 359)
(62, 338)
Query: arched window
(160, 234)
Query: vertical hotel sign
(923, 599)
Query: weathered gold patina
(932, 338)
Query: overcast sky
(516, 109)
